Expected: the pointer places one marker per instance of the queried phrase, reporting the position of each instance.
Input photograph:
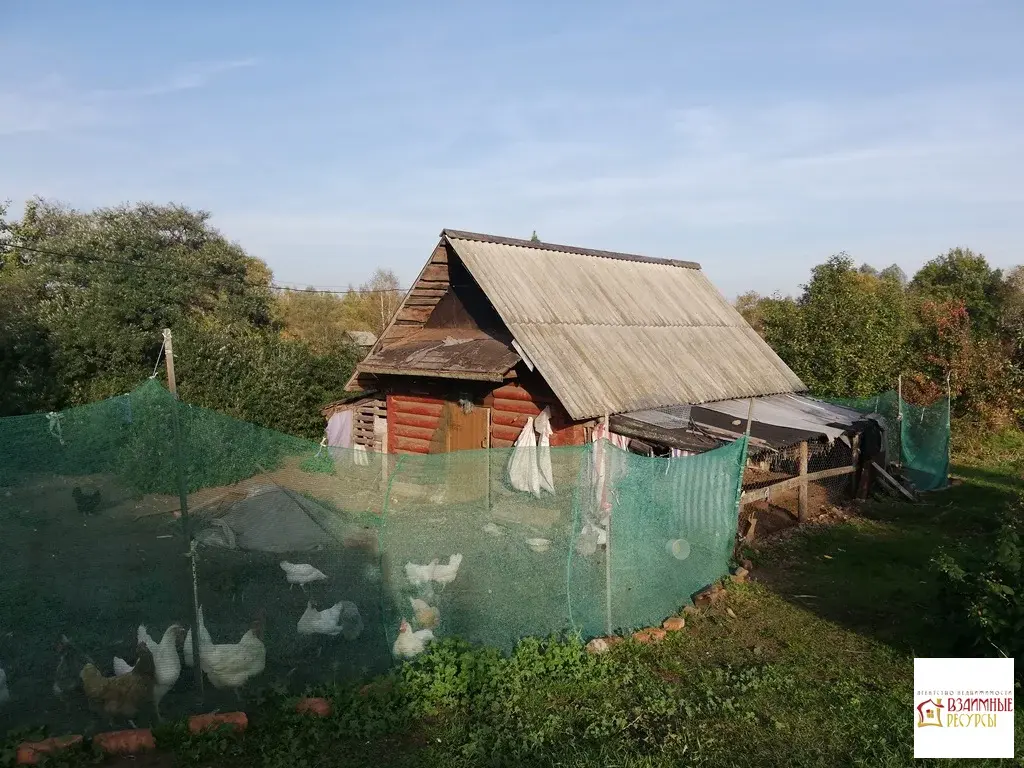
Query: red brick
(31, 752)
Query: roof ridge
(628, 325)
(457, 234)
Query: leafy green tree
(84, 297)
(751, 306)
(107, 282)
(847, 334)
(964, 276)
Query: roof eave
(381, 370)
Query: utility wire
(211, 275)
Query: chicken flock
(230, 666)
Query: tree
(846, 335)
(382, 295)
(964, 276)
(534, 238)
(321, 319)
(105, 283)
(751, 306)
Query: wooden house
(496, 329)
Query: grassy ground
(810, 665)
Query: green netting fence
(918, 435)
(93, 544)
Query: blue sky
(330, 138)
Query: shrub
(984, 601)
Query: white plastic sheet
(523, 472)
(543, 428)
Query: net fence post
(741, 466)
(739, 493)
(899, 420)
(179, 468)
(608, 530)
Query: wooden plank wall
(362, 423)
(431, 286)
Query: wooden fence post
(854, 462)
(802, 504)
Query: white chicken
(231, 665)
(302, 573)
(342, 618)
(445, 574)
(419, 575)
(165, 659)
(409, 643)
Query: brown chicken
(121, 696)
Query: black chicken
(87, 503)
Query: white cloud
(682, 179)
(53, 105)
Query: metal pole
(949, 431)
(607, 531)
(899, 420)
(739, 490)
(179, 466)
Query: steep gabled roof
(615, 332)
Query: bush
(984, 601)
(261, 378)
(216, 449)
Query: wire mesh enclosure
(159, 559)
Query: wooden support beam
(893, 482)
(802, 502)
(759, 494)
(749, 536)
(854, 462)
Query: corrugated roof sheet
(614, 332)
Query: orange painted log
(509, 419)
(500, 432)
(516, 406)
(416, 409)
(497, 442)
(416, 433)
(574, 435)
(416, 399)
(512, 392)
(409, 445)
(406, 419)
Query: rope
(160, 354)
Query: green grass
(814, 668)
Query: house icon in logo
(930, 713)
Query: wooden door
(469, 431)
(469, 436)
